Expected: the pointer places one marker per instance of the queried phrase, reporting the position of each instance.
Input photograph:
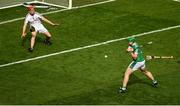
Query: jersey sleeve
(136, 48)
(39, 15)
(129, 47)
(26, 19)
(136, 51)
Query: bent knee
(33, 34)
(47, 34)
(145, 71)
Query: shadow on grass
(178, 61)
(101, 96)
(25, 42)
(135, 80)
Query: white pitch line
(177, 0)
(85, 47)
(52, 12)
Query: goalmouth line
(86, 47)
(57, 11)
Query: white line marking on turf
(83, 6)
(85, 47)
(177, 0)
(10, 6)
(13, 20)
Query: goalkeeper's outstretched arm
(24, 30)
(49, 22)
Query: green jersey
(137, 51)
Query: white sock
(154, 81)
(123, 88)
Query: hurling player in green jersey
(138, 63)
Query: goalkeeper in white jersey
(34, 20)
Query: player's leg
(148, 74)
(48, 37)
(128, 72)
(44, 31)
(126, 77)
(33, 38)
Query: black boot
(47, 42)
(154, 83)
(30, 49)
(122, 89)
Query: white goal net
(11, 3)
(58, 3)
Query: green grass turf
(85, 76)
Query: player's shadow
(135, 80)
(40, 39)
(26, 40)
(178, 61)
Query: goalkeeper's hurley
(138, 63)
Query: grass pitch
(85, 76)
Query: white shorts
(137, 65)
(39, 28)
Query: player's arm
(129, 49)
(134, 55)
(48, 21)
(24, 30)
